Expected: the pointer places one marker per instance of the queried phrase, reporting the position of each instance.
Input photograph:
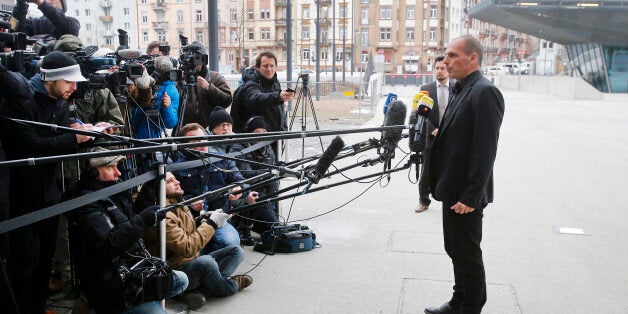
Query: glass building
(594, 33)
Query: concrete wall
(562, 86)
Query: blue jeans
(180, 283)
(224, 236)
(208, 273)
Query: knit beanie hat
(104, 160)
(254, 123)
(58, 65)
(218, 116)
(68, 43)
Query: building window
(338, 55)
(126, 11)
(410, 13)
(265, 33)
(306, 54)
(433, 11)
(306, 13)
(364, 57)
(145, 36)
(180, 16)
(234, 35)
(143, 1)
(306, 33)
(199, 16)
(364, 17)
(233, 15)
(161, 35)
(88, 12)
(343, 12)
(144, 17)
(109, 41)
(230, 56)
(88, 26)
(77, 12)
(364, 37)
(199, 36)
(432, 33)
(251, 14)
(410, 35)
(385, 12)
(251, 32)
(127, 26)
(265, 14)
(364, 1)
(384, 34)
(324, 54)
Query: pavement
(555, 239)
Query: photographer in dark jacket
(108, 230)
(53, 22)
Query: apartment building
(100, 21)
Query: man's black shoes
(443, 309)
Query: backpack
(238, 109)
(286, 239)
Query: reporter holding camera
(53, 22)
(108, 233)
(209, 274)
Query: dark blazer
(432, 117)
(462, 157)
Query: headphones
(246, 124)
(91, 172)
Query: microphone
(129, 54)
(417, 138)
(314, 174)
(396, 115)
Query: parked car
(225, 69)
(495, 71)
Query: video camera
(190, 58)
(15, 60)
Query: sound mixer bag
(286, 239)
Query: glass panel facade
(603, 66)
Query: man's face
(197, 132)
(267, 67)
(173, 189)
(458, 63)
(441, 72)
(60, 89)
(223, 128)
(155, 52)
(56, 3)
(108, 173)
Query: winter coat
(53, 22)
(146, 128)
(35, 187)
(261, 97)
(216, 94)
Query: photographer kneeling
(106, 243)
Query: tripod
(189, 88)
(305, 96)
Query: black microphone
(314, 174)
(395, 115)
(418, 139)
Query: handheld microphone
(314, 174)
(396, 115)
(418, 139)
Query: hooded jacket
(261, 97)
(53, 22)
(36, 186)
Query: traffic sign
(522, 52)
(381, 51)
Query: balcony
(325, 41)
(105, 18)
(280, 22)
(107, 33)
(280, 42)
(324, 21)
(324, 1)
(160, 5)
(281, 3)
(160, 25)
(105, 4)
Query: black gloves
(152, 215)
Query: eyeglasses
(224, 125)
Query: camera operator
(212, 91)
(106, 231)
(53, 22)
(35, 187)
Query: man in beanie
(36, 187)
(53, 22)
(107, 232)
(261, 218)
(212, 91)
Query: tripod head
(305, 78)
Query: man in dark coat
(461, 171)
(35, 187)
(439, 91)
(54, 21)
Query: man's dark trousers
(424, 181)
(463, 234)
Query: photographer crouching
(106, 244)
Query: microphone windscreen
(425, 105)
(163, 64)
(414, 119)
(336, 145)
(396, 115)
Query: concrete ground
(561, 167)
(561, 164)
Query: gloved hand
(144, 81)
(152, 215)
(219, 217)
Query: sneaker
(58, 282)
(243, 281)
(194, 300)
